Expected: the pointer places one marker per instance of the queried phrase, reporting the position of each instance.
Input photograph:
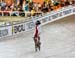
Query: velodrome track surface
(58, 41)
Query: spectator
(33, 11)
(6, 11)
(39, 6)
(45, 7)
(3, 6)
(62, 3)
(21, 2)
(12, 7)
(52, 7)
(57, 5)
(35, 5)
(73, 2)
(25, 6)
(0, 8)
(30, 6)
(67, 3)
(0, 11)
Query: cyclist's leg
(39, 43)
(35, 41)
(39, 40)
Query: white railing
(26, 26)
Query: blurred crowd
(27, 6)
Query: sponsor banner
(18, 28)
(74, 10)
(45, 19)
(29, 25)
(5, 31)
(60, 14)
(49, 18)
(67, 12)
(54, 16)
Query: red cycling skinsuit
(36, 35)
